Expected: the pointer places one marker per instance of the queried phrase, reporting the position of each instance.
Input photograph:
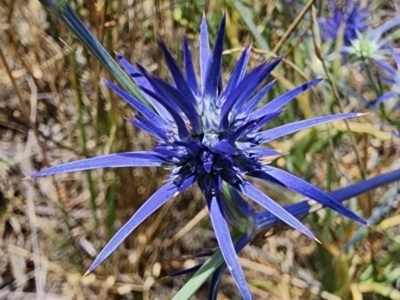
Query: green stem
(79, 110)
(62, 9)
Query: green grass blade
(247, 17)
(198, 279)
(62, 9)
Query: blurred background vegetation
(54, 108)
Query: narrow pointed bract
(158, 199)
(128, 159)
(214, 66)
(225, 243)
(284, 99)
(189, 68)
(277, 132)
(302, 187)
(258, 196)
(204, 51)
(211, 136)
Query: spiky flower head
(212, 136)
(350, 18)
(365, 48)
(369, 45)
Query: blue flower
(369, 45)
(350, 17)
(211, 136)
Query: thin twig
(292, 26)
(336, 96)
